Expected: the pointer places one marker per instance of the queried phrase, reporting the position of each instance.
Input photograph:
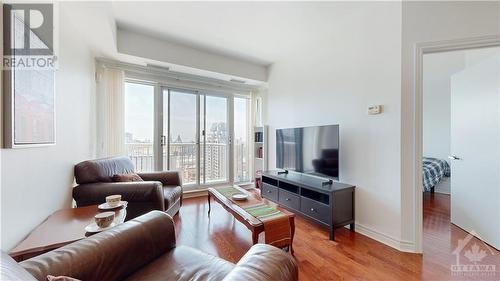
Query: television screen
(309, 150)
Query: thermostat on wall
(374, 109)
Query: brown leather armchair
(145, 249)
(159, 190)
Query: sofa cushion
(102, 170)
(184, 263)
(11, 270)
(127, 177)
(171, 194)
(111, 255)
(262, 263)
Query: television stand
(327, 203)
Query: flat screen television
(309, 150)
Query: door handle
(454, 157)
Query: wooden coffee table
(252, 223)
(61, 228)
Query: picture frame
(28, 89)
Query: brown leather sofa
(159, 190)
(144, 249)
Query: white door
(475, 140)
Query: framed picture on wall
(29, 76)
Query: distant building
(216, 152)
(129, 137)
(214, 158)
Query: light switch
(374, 109)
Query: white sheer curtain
(110, 112)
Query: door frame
(420, 50)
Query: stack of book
(259, 137)
(259, 152)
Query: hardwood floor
(441, 238)
(351, 257)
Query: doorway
(461, 145)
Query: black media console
(331, 205)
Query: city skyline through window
(181, 144)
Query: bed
(434, 170)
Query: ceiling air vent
(237, 81)
(157, 67)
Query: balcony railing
(141, 155)
(183, 157)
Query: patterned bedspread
(434, 170)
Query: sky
(139, 113)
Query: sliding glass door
(188, 131)
(242, 140)
(215, 133)
(182, 135)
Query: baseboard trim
(400, 245)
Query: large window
(139, 124)
(191, 133)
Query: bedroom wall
(426, 21)
(37, 181)
(355, 67)
(437, 71)
(436, 124)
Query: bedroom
(461, 91)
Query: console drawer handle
(269, 191)
(287, 199)
(313, 210)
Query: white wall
(334, 84)
(428, 22)
(37, 181)
(436, 117)
(437, 71)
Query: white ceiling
(259, 32)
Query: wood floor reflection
(351, 257)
